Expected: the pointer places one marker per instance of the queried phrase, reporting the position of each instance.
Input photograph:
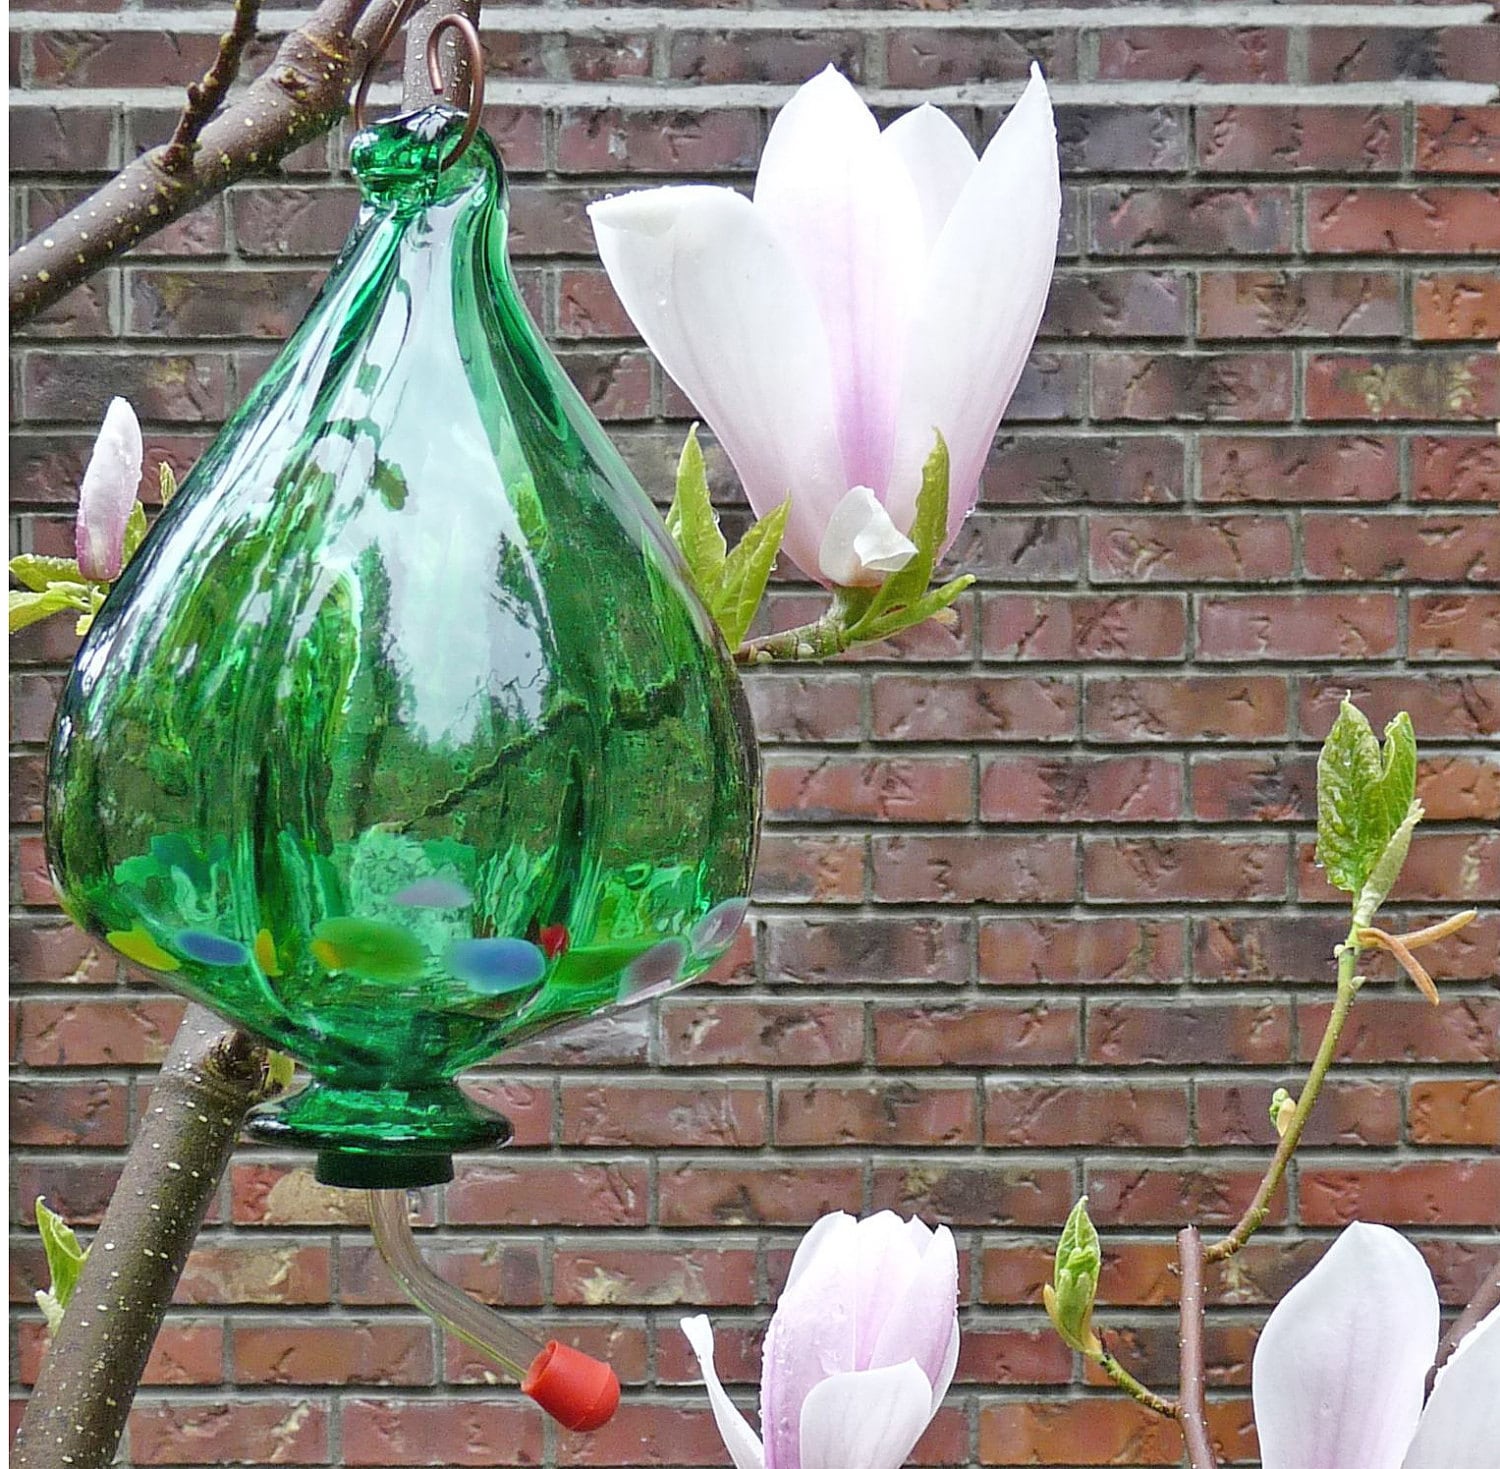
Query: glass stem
(451, 1308)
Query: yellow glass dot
(138, 945)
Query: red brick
(818, 1114)
(88, 1032)
(1139, 470)
(932, 58)
(281, 221)
(1464, 625)
(762, 1033)
(71, 139)
(1456, 788)
(1286, 140)
(1121, 138)
(1271, 788)
(625, 1113)
(1012, 549)
(1304, 627)
(967, 868)
(1209, 387)
(1193, 54)
(1124, 1195)
(1442, 706)
(1023, 1114)
(255, 1273)
(527, 1107)
(185, 389)
(1194, 707)
(1441, 220)
(1456, 305)
(1131, 1032)
(1391, 386)
(1081, 951)
(846, 787)
(810, 869)
(995, 1355)
(1171, 548)
(1415, 548)
(1458, 139)
(974, 1194)
(1191, 869)
(964, 708)
(548, 1192)
(1454, 1113)
(1455, 468)
(1300, 304)
(344, 1353)
(1295, 470)
(1131, 220)
(984, 1033)
(615, 140)
(1388, 53)
(1074, 788)
(1406, 1028)
(63, 1114)
(721, 57)
(461, 1431)
(602, 1276)
(797, 709)
(679, 1435)
(748, 1194)
(1441, 867)
(1117, 303)
(1054, 628)
(167, 303)
(228, 1432)
(834, 952)
(1101, 1430)
(1453, 1192)
(1349, 1114)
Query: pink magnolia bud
(108, 493)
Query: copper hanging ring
(470, 38)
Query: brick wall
(1037, 912)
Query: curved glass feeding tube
(579, 1391)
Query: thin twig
(89, 1376)
(1135, 1388)
(301, 94)
(1191, 1411)
(1486, 1299)
(1260, 1206)
(205, 97)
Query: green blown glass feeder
(404, 737)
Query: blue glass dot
(497, 966)
(209, 948)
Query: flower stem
(824, 638)
(1134, 1388)
(1260, 1206)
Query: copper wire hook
(470, 38)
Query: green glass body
(404, 737)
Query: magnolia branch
(88, 1379)
(301, 94)
(1486, 1299)
(1192, 1411)
(205, 97)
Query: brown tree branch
(303, 93)
(205, 97)
(1486, 1299)
(1191, 1410)
(77, 1411)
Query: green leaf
(691, 521)
(39, 572)
(939, 599)
(135, 532)
(1397, 787)
(929, 528)
(1075, 1279)
(1376, 888)
(29, 607)
(168, 481)
(280, 1069)
(746, 570)
(65, 1260)
(1348, 773)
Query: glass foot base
(387, 1137)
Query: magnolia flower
(108, 493)
(882, 287)
(859, 1353)
(1339, 1368)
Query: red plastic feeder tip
(578, 1391)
